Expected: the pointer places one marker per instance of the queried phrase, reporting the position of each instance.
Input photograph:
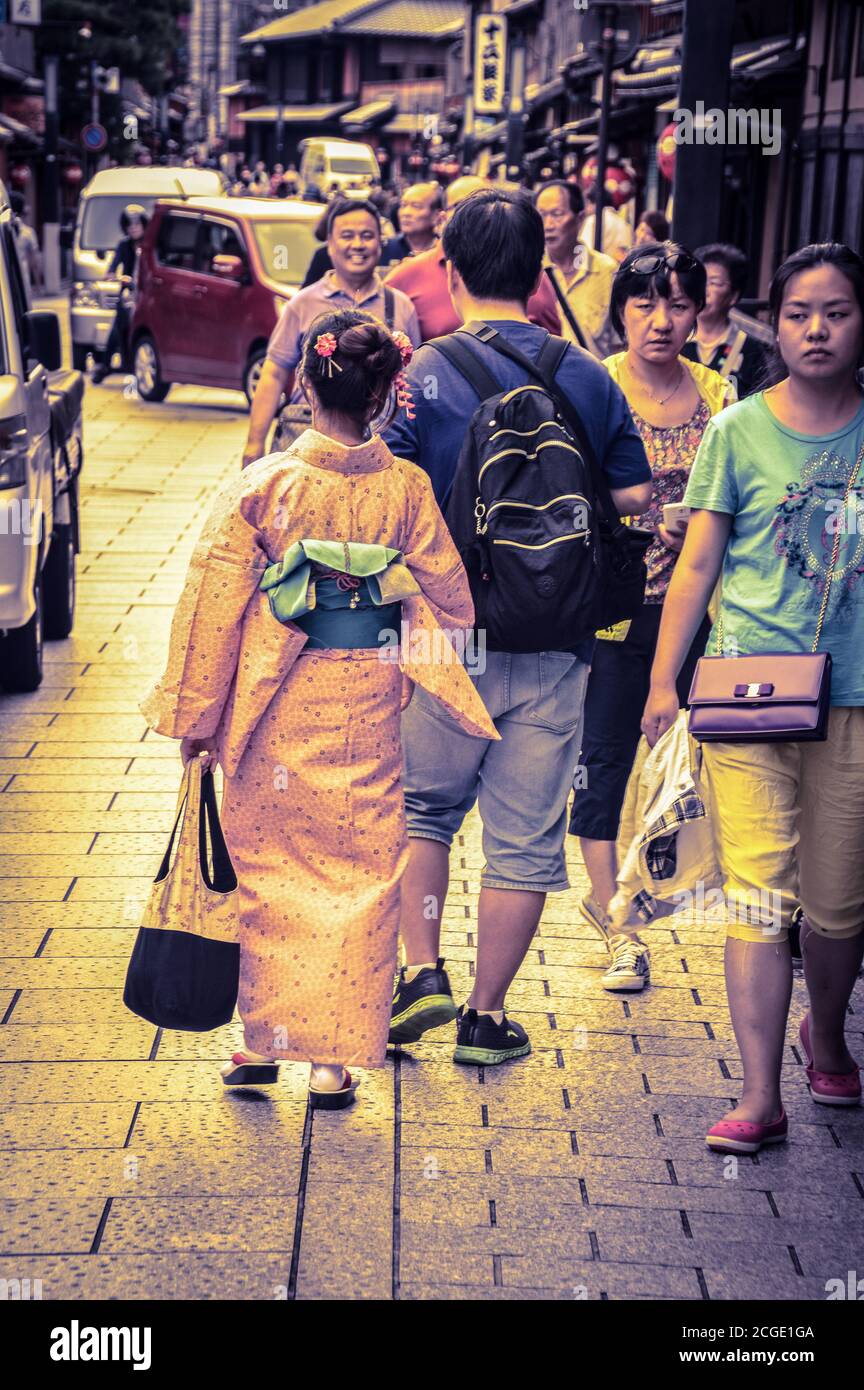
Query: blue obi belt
(340, 593)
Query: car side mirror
(228, 268)
(42, 338)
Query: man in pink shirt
(424, 279)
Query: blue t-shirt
(785, 493)
(444, 403)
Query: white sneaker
(630, 970)
(599, 920)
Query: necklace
(658, 400)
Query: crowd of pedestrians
(490, 332)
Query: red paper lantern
(667, 149)
(620, 182)
(20, 175)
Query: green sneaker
(480, 1041)
(427, 1002)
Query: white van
(349, 165)
(97, 231)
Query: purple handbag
(767, 697)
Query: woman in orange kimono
(284, 665)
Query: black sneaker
(480, 1041)
(425, 1003)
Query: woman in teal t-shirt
(767, 490)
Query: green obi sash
(336, 616)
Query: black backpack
(548, 558)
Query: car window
(100, 220)
(285, 248)
(16, 284)
(176, 245)
(220, 239)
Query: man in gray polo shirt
(354, 243)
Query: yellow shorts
(789, 825)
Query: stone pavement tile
(72, 1007)
(92, 1081)
(20, 943)
(21, 821)
(95, 888)
(170, 1171)
(65, 1125)
(775, 1230)
(635, 1247)
(422, 1265)
(46, 753)
(246, 1220)
(829, 1173)
(67, 972)
(736, 1285)
(15, 890)
(346, 1244)
(151, 843)
(84, 867)
(78, 941)
(253, 1119)
(580, 1280)
(92, 728)
(48, 842)
(603, 1192)
(167, 1276)
(132, 1041)
(61, 1224)
(831, 1253)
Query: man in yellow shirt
(581, 277)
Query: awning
(657, 68)
(293, 115)
(491, 134)
(518, 7)
(407, 19)
(17, 130)
(406, 123)
(537, 94)
(363, 117)
(235, 89)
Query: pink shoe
(242, 1071)
(827, 1087)
(746, 1137)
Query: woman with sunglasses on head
(657, 293)
(777, 492)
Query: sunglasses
(650, 264)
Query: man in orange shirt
(424, 279)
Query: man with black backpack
(534, 457)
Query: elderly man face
(418, 211)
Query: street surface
(127, 1169)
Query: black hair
(17, 202)
(658, 224)
(340, 206)
(495, 240)
(630, 285)
(573, 191)
(819, 253)
(133, 210)
(731, 258)
(366, 357)
(807, 258)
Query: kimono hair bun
(371, 346)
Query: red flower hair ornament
(325, 346)
(404, 398)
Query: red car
(213, 277)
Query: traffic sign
(94, 137)
(26, 12)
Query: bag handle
(182, 802)
(565, 307)
(829, 577)
(224, 878)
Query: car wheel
(80, 353)
(21, 659)
(252, 374)
(148, 379)
(58, 582)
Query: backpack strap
(565, 307)
(467, 364)
(389, 307)
(485, 333)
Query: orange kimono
(309, 741)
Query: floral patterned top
(671, 450)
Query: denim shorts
(521, 785)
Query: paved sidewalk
(129, 1172)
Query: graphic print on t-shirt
(806, 525)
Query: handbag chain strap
(829, 577)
